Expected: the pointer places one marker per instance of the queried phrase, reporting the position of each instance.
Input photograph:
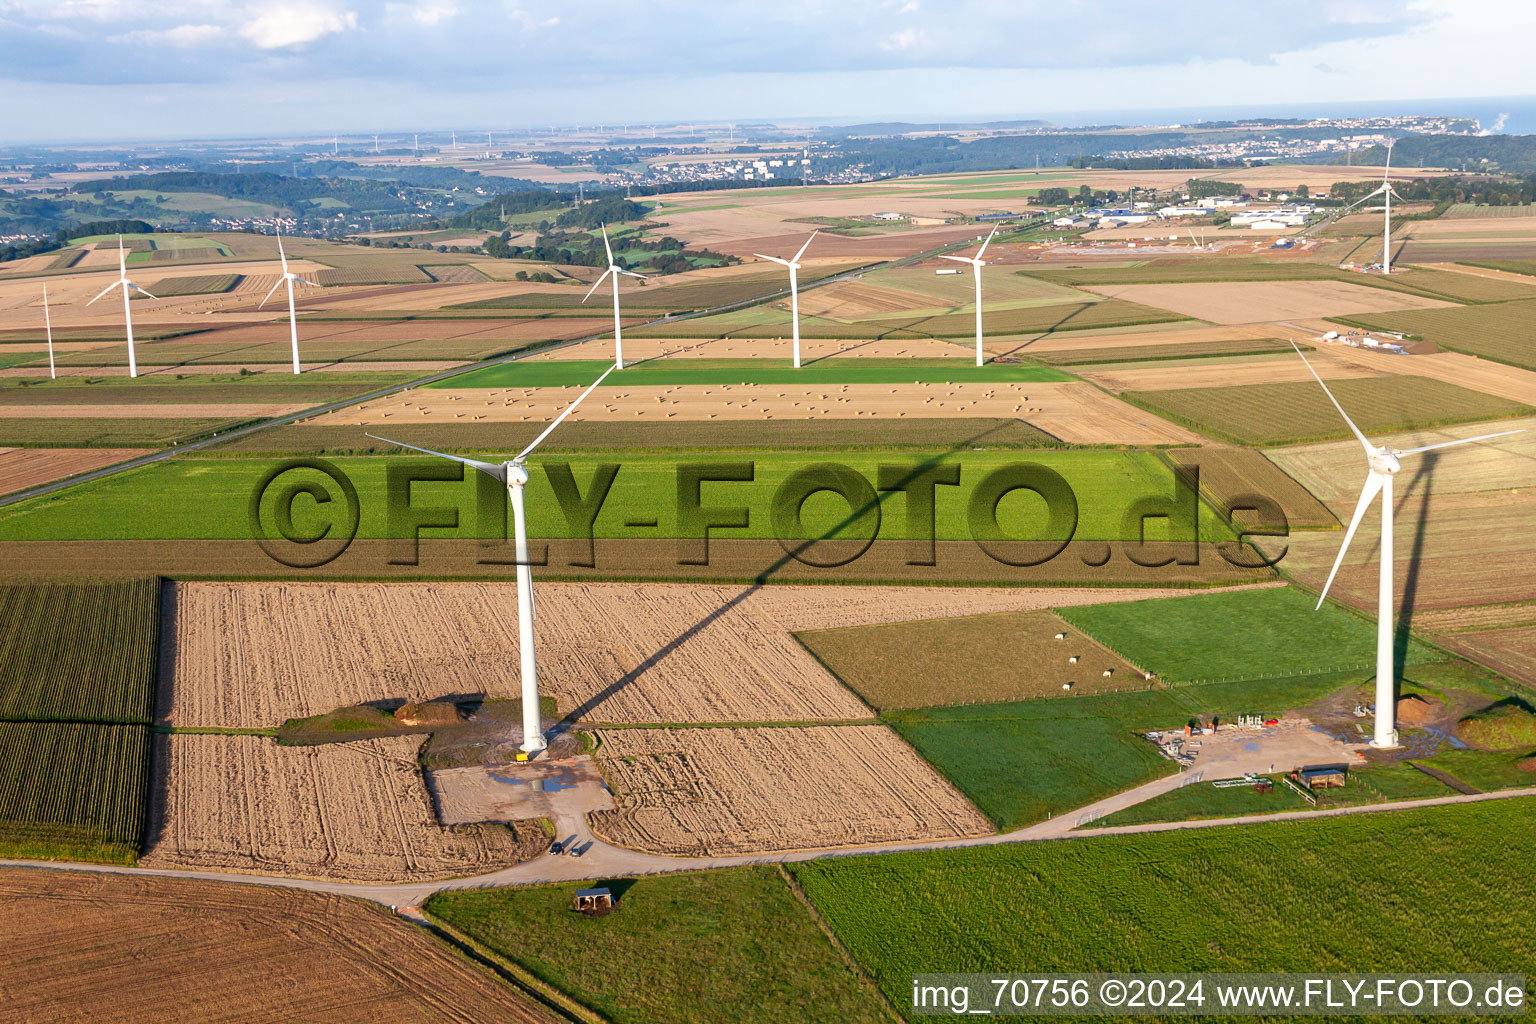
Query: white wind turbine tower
(1386, 229)
(614, 270)
(288, 278)
(1383, 465)
(513, 473)
(976, 263)
(794, 287)
(48, 326)
(126, 285)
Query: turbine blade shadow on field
(1057, 326)
(1425, 473)
(572, 718)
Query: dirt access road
(604, 861)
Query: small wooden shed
(1323, 776)
(594, 902)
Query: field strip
(1218, 373)
(21, 468)
(167, 410)
(604, 861)
(1466, 371)
(1075, 412)
(1235, 302)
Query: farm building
(1323, 776)
(593, 901)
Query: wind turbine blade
(806, 246)
(631, 273)
(1353, 429)
(301, 280)
(1368, 493)
(122, 258)
(568, 410)
(983, 251)
(607, 246)
(1464, 440)
(105, 290)
(599, 281)
(275, 287)
(280, 254)
(489, 468)
(141, 291)
(773, 259)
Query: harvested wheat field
(642, 349)
(21, 468)
(608, 652)
(1247, 302)
(1075, 412)
(85, 947)
(357, 811)
(713, 792)
(1466, 371)
(1160, 337)
(1220, 373)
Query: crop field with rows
(82, 652)
(73, 790)
(1499, 331)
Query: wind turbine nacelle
(1384, 460)
(517, 474)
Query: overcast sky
(86, 69)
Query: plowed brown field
(108, 948)
(357, 811)
(732, 791)
(253, 654)
(21, 468)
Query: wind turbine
(48, 326)
(288, 278)
(615, 270)
(125, 284)
(794, 287)
(976, 263)
(513, 474)
(1386, 228)
(1383, 464)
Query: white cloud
(289, 25)
(905, 40)
(182, 36)
(428, 12)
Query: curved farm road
(603, 860)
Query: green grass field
(1297, 411)
(1500, 331)
(73, 791)
(1249, 634)
(1376, 784)
(1021, 761)
(563, 373)
(1353, 894)
(209, 498)
(713, 947)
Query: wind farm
(817, 618)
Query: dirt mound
(1527, 764)
(1412, 710)
(428, 713)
